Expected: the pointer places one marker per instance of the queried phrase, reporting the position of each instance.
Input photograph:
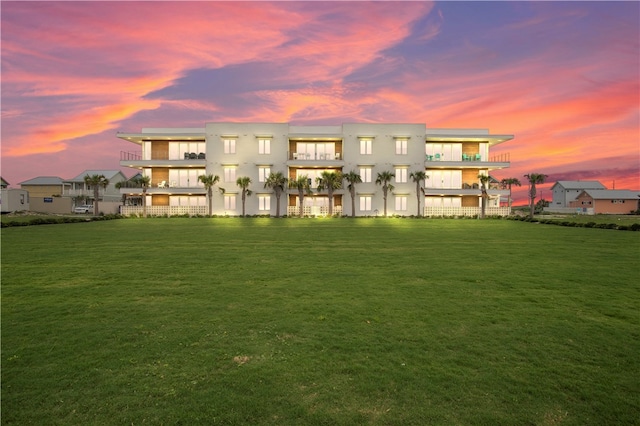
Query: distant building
(607, 201)
(44, 186)
(566, 191)
(76, 187)
(3, 183)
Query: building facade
(452, 159)
(607, 201)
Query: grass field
(319, 322)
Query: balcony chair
(478, 157)
(201, 156)
(193, 156)
(337, 156)
(186, 155)
(465, 157)
(162, 184)
(437, 157)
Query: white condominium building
(451, 159)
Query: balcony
(313, 210)
(471, 161)
(467, 189)
(189, 159)
(314, 160)
(165, 188)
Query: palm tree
(533, 178)
(508, 182)
(303, 186)
(120, 185)
(484, 182)
(95, 182)
(144, 182)
(278, 182)
(353, 178)
(383, 179)
(418, 177)
(209, 181)
(243, 182)
(330, 181)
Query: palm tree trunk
(301, 199)
(277, 203)
(353, 202)
(144, 203)
(330, 202)
(96, 194)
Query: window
(401, 146)
(366, 146)
(365, 203)
(229, 146)
(230, 174)
(264, 202)
(263, 173)
(264, 146)
(230, 201)
(401, 202)
(401, 175)
(365, 174)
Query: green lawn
(320, 321)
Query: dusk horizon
(562, 77)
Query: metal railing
(314, 157)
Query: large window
(230, 202)
(401, 203)
(401, 175)
(184, 150)
(401, 146)
(187, 201)
(365, 174)
(264, 146)
(445, 179)
(185, 178)
(365, 203)
(366, 146)
(264, 202)
(229, 146)
(263, 173)
(444, 151)
(315, 151)
(230, 174)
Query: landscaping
(319, 321)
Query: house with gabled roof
(607, 201)
(76, 187)
(3, 183)
(566, 191)
(44, 186)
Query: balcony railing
(137, 156)
(500, 158)
(314, 157)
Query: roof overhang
(143, 137)
(480, 138)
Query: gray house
(566, 191)
(76, 187)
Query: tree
(243, 182)
(144, 182)
(418, 177)
(278, 182)
(507, 183)
(353, 178)
(303, 186)
(329, 181)
(209, 181)
(534, 179)
(484, 183)
(95, 182)
(383, 180)
(120, 185)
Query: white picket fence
(313, 210)
(465, 211)
(164, 210)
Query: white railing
(313, 210)
(465, 211)
(164, 210)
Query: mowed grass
(320, 321)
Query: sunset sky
(562, 77)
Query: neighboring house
(13, 200)
(607, 201)
(566, 191)
(44, 186)
(173, 158)
(3, 183)
(77, 188)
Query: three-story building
(452, 159)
